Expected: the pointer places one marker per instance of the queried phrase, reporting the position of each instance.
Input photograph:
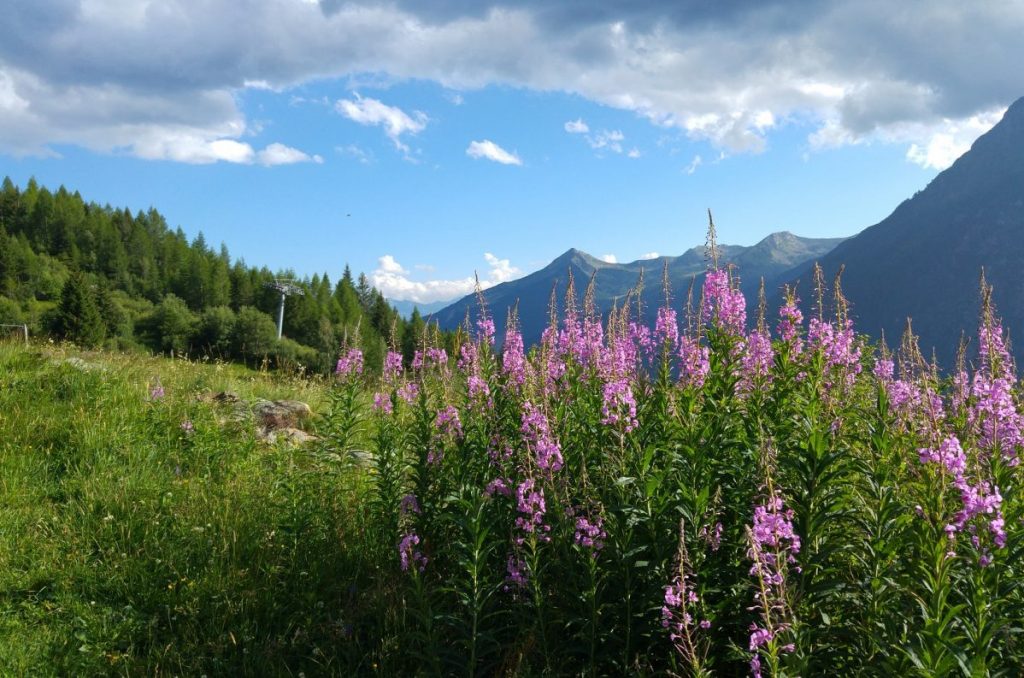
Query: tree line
(104, 277)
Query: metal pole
(25, 327)
(280, 316)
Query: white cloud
(387, 264)
(354, 151)
(502, 270)
(128, 76)
(951, 140)
(609, 259)
(694, 164)
(455, 98)
(577, 126)
(279, 154)
(426, 268)
(491, 151)
(634, 153)
(394, 282)
(395, 121)
(607, 139)
(649, 255)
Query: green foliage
(254, 333)
(78, 317)
(134, 262)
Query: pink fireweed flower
(590, 534)
(992, 351)
(517, 575)
(619, 406)
(722, 305)
(477, 388)
(513, 358)
(532, 508)
(409, 392)
(995, 415)
(755, 362)
(498, 486)
(156, 393)
(409, 555)
(382, 403)
(694, 362)
(666, 329)
(883, 370)
(432, 356)
(485, 330)
(350, 363)
(790, 322)
(838, 346)
(976, 499)
(392, 365)
(187, 426)
(773, 546)
(537, 434)
(447, 422)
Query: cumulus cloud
(489, 150)
(577, 126)
(128, 76)
(609, 259)
(394, 120)
(394, 281)
(649, 255)
(634, 153)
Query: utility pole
(285, 288)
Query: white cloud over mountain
(394, 281)
(159, 80)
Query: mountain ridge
(771, 256)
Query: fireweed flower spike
(350, 363)
(772, 548)
(722, 305)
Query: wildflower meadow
(721, 493)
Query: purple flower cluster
(156, 393)
(666, 329)
(837, 343)
(498, 486)
(722, 305)
(995, 415)
(447, 421)
(408, 505)
(532, 508)
(590, 534)
(350, 363)
(517, 574)
(790, 322)
(513, 360)
(392, 365)
(431, 356)
(409, 555)
(382, 403)
(409, 392)
(773, 546)
(694, 362)
(755, 361)
(537, 433)
(619, 405)
(976, 499)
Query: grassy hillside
(129, 545)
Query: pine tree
(78, 318)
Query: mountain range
(923, 261)
(773, 259)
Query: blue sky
(421, 142)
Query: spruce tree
(78, 319)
